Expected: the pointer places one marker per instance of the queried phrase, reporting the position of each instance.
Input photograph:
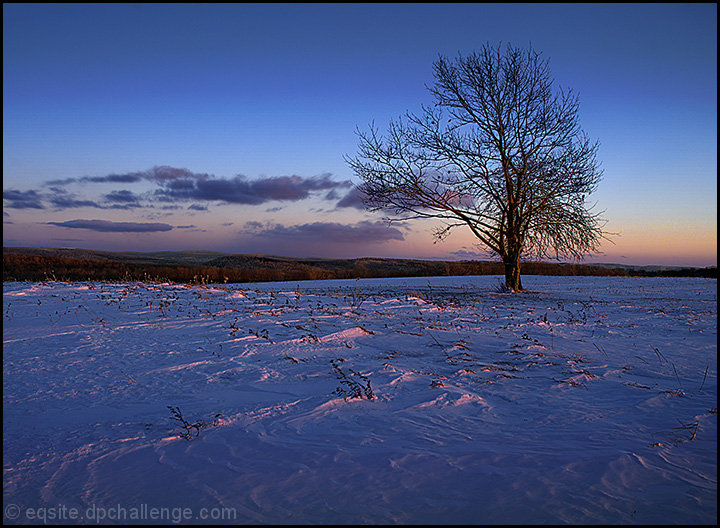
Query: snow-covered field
(424, 400)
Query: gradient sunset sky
(223, 127)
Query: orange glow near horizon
(634, 245)
(685, 245)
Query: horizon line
(488, 258)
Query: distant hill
(38, 264)
(156, 257)
(647, 268)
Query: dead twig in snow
(705, 376)
(354, 389)
(187, 434)
(676, 376)
(692, 428)
(659, 355)
(433, 338)
(601, 349)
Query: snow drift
(424, 400)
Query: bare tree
(500, 152)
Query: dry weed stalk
(188, 427)
(354, 389)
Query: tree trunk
(512, 274)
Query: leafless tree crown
(500, 152)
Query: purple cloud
(183, 185)
(158, 174)
(240, 190)
(329, 232)
(114, 178)
(353, 199)
(106, 226)
(124, 197)
(67, 202)
(165, 174)
(23, 199)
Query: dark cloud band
(182, 185)
(23, 199)
(353, 199)
(240, 190)
(105, 226)
(328, 232)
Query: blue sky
(223, 127)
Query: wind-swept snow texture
(424, 400)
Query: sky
(226, 127)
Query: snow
(422, 400)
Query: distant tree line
(19, 267)
(708, 273)
(37, 268)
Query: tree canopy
(500, 152)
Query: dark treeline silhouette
(242, 268)
(708, 273)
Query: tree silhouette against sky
(500, 151)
